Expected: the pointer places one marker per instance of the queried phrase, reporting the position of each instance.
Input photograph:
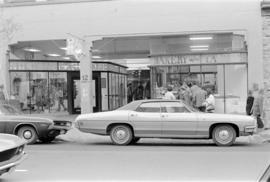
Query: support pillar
(86, 78)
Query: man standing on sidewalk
(257, 108)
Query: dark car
(30, 128)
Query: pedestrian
(130, 93)
(60, 98)
(139, 92)
(210, 101)
(249, 103)
(169, 95)
(257, 108)
(2, 94)
(185, 94)
(198, 98)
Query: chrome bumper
(250, 129)
(13, 162)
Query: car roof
(133, 105)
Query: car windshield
(6, 109)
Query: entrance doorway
(74, 99)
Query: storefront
(44, 86)
(224, 74)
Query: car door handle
(133, 115)
(164, 115)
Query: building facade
(218, 44)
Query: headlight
(68, 124)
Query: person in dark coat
(249, 104)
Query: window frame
(164, 110)
(139, 106)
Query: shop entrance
(74, 93)
(74, 99)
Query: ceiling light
(66, 58)
(202, 49)
(201, 38)
(63, 48)
(53, 55)
(96, 57)
(31, 49)
(95, 50)
(199, 46)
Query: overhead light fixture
(96, 57)
(95, 50)
(201, 49)
(63, 48)
(53, 55)
(31, 49)
(199, 46)
(66, 58)
(201, 38)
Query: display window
(228, 83)
(39, 92)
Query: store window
(39, 92)
(20, 90)
(58, 91)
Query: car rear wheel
(46, 139)
(121, 135)
(224, 135)
(28, 133)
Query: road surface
(149, 160)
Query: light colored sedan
(11, 152)
(165, 119)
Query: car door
(178, 120)
(146, 120)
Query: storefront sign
(33, 66)
(199, 59)
(69, 66)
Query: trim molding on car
(266, 175)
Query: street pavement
(97, 159)
(79, 157)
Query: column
(86, 78)
(266, 65)
(4, 66)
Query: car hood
(25, 118)
(10, 141)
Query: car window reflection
(149, 107)
(174, 107)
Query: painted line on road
(21, 170)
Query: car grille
(60, 123)
(8, 154)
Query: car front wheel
(28, 133)
(121, 135)
(224, 135)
